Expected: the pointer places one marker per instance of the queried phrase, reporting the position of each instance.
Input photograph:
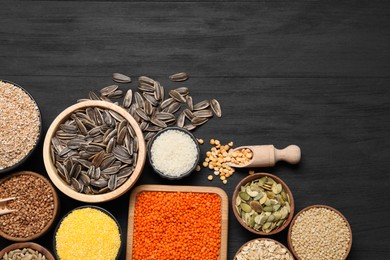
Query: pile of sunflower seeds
(95, 150)
(153, 109)
(263, 204)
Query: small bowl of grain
(263, 204)
(26, 250)
(20, 125)
(94, 230)
(173, 153)
(320, 232)
(263, 248)
(94, 151)
(34, 206)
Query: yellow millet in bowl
(87, 233)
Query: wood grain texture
(312, 73)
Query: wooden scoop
(268, 155)
(3, 206)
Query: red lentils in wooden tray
(177, 225)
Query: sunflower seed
(197, 121)
(181, 119)
(203, 113)
(120, 78)
(165, 116)
(202, 105)
(142, 114)
(116, 94)
(112, 182)
(177, 96)
(166, 103)
(139, 100)
(158, 91)
(174, 107)
(216, 107)
(158, 122)
(189, 102)
(92, 95)
(181, 76)
(189, 127)
(127, 99)
(146, 80)
(68, 128)
(183, 91)
(188, 114)
(108, 90)
(145, 87)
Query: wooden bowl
(290, 245)
(56, 205)
(31, 245)
(253, 177)
(62, 185)
(163, 175)
(96, 208)
(16, 165)
(263, 239)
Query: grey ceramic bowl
(187, 173)
(19, 163)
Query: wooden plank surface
(176, 188)
(312, 73)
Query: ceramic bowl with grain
(35, 250)
(35, 204)
(25, 136)
(263, 204)
(173, 153)
(269, 248)
(94, 229)
(320, 231)
(94, 151)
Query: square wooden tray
(171, 188)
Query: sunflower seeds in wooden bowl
(94, 151)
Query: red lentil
(177, 225)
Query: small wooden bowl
(290, 245)
(62, 185)
(150, 144)
(31, 245)
(16, 165)
(253, 177)
(55, 210)
(264, 239)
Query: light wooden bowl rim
(31, 245)
(290, 246)
(55, 210)
(267, 239)
(62, 185)
(256, 176)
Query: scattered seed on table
(210, 177)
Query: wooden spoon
(268, 155)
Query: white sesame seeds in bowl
(173, 153)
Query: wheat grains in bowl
(20, 125)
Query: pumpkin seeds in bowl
(263, 204)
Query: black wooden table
(312, 73)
